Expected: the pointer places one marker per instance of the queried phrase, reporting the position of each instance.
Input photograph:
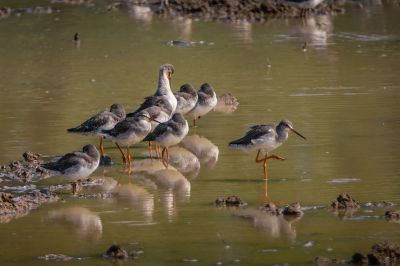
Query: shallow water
(342, 94)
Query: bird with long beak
(128, 132)
(163, 98)
(264, 139)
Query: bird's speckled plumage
(131, 130)
(76, 165)
(264, 137)
(101, 121)
(187, 99)
(171, 132)
(207, 100)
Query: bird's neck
(282, 133)
(164, 86)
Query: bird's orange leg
(122, 153)
(128, 154)
(194, 122)
(276, 157)
(101, 147)
(150, 150)
(259, 160)
(265, 168)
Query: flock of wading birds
(160, 119)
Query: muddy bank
(15, 207)
(239, 10)
(26, 170)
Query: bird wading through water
(264, 139)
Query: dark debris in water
(384, 253)
(392, 216)
(117, 253)
(293, 209)
(344, 202)
(106, 160)
(230, 201)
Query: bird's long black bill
(298, 134)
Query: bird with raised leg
(169, 134)
(102, 121)
(128, 132)
(76, 165)
(207, 100)
(264, 139)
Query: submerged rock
(230, 201)
(345, 201)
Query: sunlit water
(342, 93)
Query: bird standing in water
(76, 165)
(207, 100)
(99, 122)
(264, 139)
(169, 134)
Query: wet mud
(230, 201)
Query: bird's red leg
(128, 154)
(167, 161)
(265, 168)
(259, 160)
(122, 153)
(101, 147)
(150, 150)
(276, 157)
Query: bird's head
(288, 126)
(207, 89)
(118, 110)
(167, 70)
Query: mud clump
(117, 253)
(231, 201)
(322, 261)
(14, 207)
(293, 209)
(392, 216)
(344, 202)
(27, 170)
(384, 253)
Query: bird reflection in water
(274, 226)
(138, 197)
(85, 222)
(206, 151)
(315, 30)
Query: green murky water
(343, 93)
